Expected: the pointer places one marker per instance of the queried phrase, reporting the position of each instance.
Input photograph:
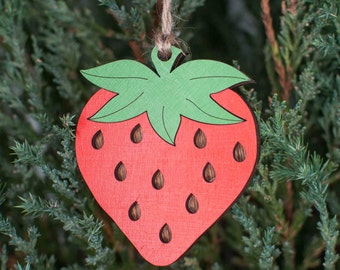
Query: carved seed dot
(134, 212)
(192, 204)
(165, 234)
(200, 140)
(209, 173)
(120, 171)
(98, 140)
(158, 180)
(239, 152)
(136, 135)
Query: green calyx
(166, 94)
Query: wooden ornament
(166, 152)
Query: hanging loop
(165, 38)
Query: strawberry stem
(166, 94)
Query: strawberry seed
(158, 180)
(134, 212)
(165, 234)
(192, 204)
(98, 140)
(239, 152)
(200, 140)
(136, 135)
(209, 173)
(120, 171)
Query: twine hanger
(165, 38)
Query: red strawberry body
(182, 166)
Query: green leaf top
(166, 94)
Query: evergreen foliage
(287, 218)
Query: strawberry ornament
(166, 151)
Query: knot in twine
(166, 37)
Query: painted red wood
(142, 208)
